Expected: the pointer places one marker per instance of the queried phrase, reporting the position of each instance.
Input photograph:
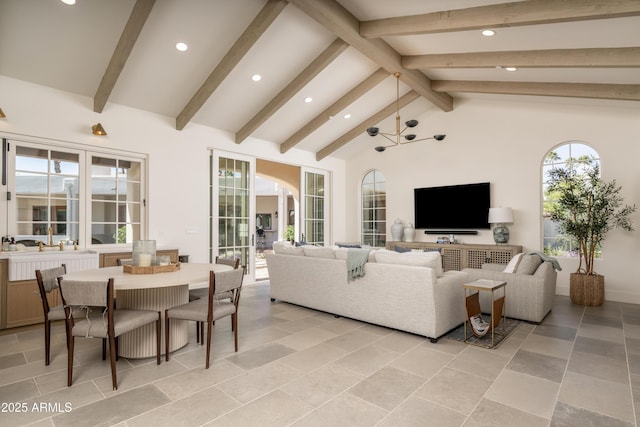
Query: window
(115, 200)
(64, 194)
(572, 156)
(314, 203)
(374, 209)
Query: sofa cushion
(513, 264)
(401, 249)
(528, 264)
(287, 249)
(319, 252)
(432, 260)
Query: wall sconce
(2, 115)
(97, 129)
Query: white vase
(409, 233)
(396, 231)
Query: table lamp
(500, 217)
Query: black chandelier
(399, 136)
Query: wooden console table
(459, 256)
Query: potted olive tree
(585, 208)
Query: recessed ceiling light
(69, 2)
(347, 116)
(488, 33)
(308, 99)
(510, 68)
(181, 46)
(256, 77)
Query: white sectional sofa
(397, 291)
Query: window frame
(378, 239)
(545, 223)
(85, 153)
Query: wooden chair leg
(201, 332)
(104, 349)
(197, 332)
(117, 349)
(70, 360)
(158, 337)
(209, 328)
(47, 341)
(234, 327)
(112, 359)
(166, 335)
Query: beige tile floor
(580, 367)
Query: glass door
(314, 207)
(233, 213)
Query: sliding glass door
(314, 207)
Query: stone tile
(608, 321)
(322, 385)
(599, 332)
(539, 365)
(132, 378)
(554, 331)
(422, 361)
(194, 410)
(400, 341)
(493, 414)
(478, 361)
(259, 381)
(307, 338)
(342, 325)
(547, 345)
(375, 329)
(367, 360)
(31, 370)
(51, 404)
(455, 390)
(556, 318)
(604, 368)
(260, 356)
(601, 348)
(19, 391)
(11, 360)
(539, 399)
(597, 395)
(387, 387)
(314, 357)
(353, 340)
(567, 415)
(417, 412)
(115, 409)
(276, 409)
(446, 346)
(301, 324)
(188, 382)
(344, 410)
(633, 345)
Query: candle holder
(144, 253)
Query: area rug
(511, 325)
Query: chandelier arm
(416, 140)
(387, 137)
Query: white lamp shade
(500, 215)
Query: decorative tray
(133, 269)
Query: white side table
(472, 303)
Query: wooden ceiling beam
(362, 127)
(532, 12)
(139, 14)
(320, 63)
(251, 34)
(624, 92)
(348, 99)
(624, 57)
(343, 24)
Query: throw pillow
(318, 252)
(348, 245)
(287, 249)
(513, 264)
(528, 264)
(419, 259)
(401, 249)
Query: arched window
(374, 209)
(573, 155)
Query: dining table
(156, 292)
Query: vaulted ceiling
(341, 54)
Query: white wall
(504, 142)
(178, 160)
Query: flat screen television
(461, 207)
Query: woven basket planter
(586, 289)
